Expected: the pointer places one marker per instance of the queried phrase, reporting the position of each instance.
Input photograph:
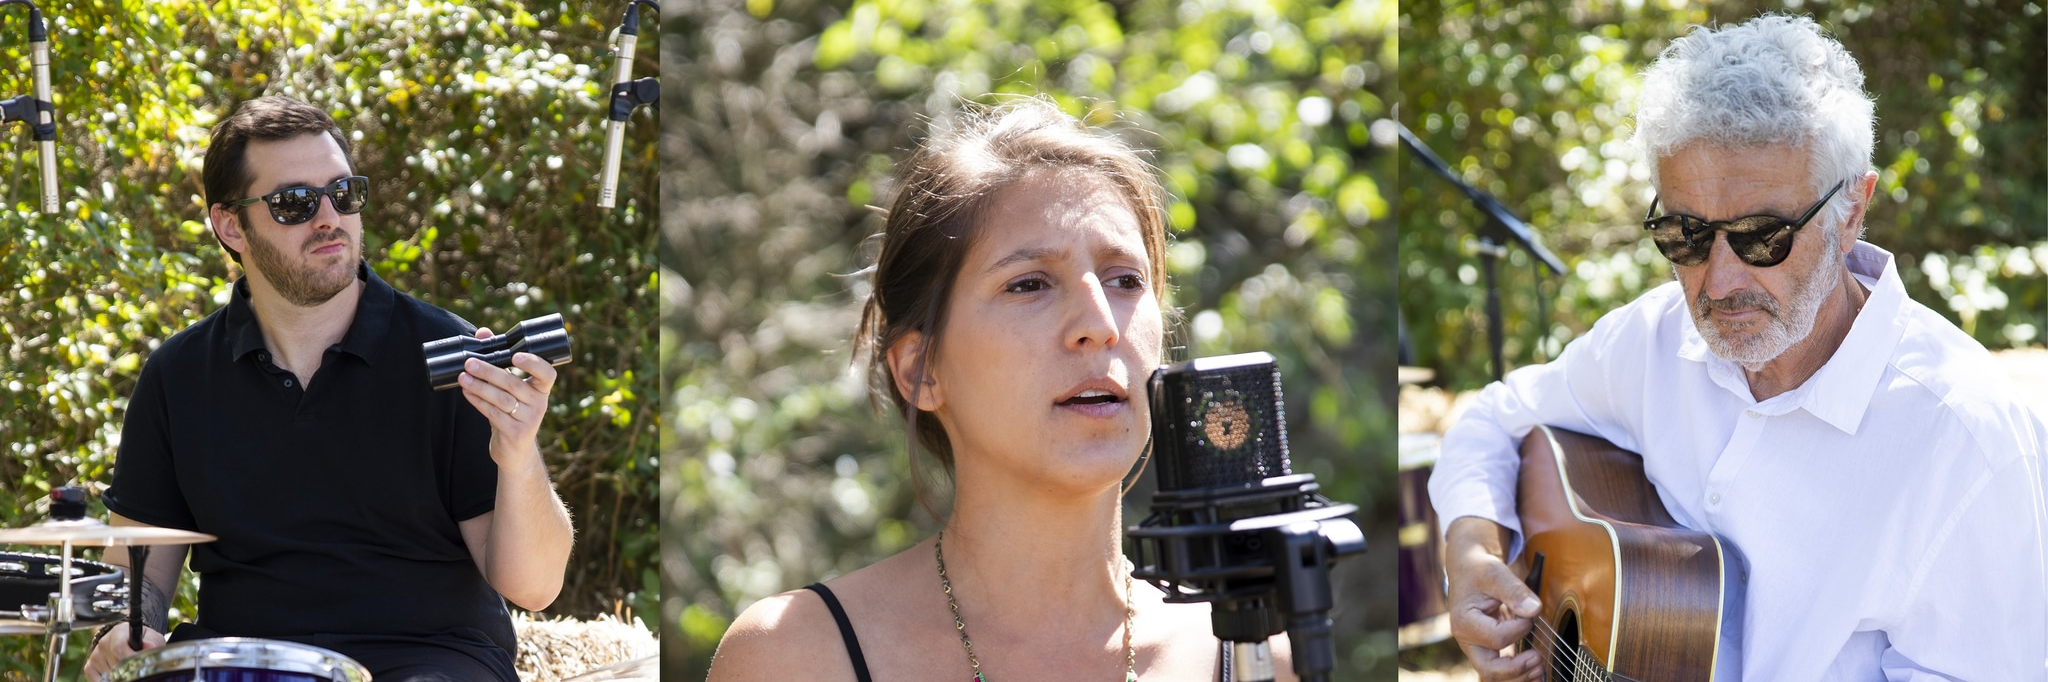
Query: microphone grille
(1219, 422)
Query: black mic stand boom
(1501, 227)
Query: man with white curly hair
(1864, 455)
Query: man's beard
(1787, 324)
(302, 285)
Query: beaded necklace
(1130, 609)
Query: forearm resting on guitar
(1469, 533)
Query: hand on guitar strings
(1490, 609)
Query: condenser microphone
(1219, 423)
(626, 94)
(39, 111)
(1232, 524)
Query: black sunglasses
(294, 205)
(1759, 240)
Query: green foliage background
(1532, 102)
(478, 124)
(791, 117)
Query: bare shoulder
(781, 637)
(793, 635)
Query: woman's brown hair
(943, 191)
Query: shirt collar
(372, 318)
(1841, 390)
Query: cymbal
(94, 533)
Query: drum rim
(270, 655)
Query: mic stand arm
(1490, 254)
(1499, 223)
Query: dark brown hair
(943, 190)
(225, 174)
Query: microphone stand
(39, 112)
(1501, 228)
(627, 95)
(1185, 549)
(67, 503)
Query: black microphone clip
(632, 95)
(29, 110)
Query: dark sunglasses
(1759, 240)
(294, 205)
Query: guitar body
(1629, 593)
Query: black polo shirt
(336, 507)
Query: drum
(99, 594)
(1422, 612)
(239, 659)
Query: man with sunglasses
(356, 508)
(1882, 487)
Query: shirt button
(1751, 414)
(288, 383)
(1714, 498)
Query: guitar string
(1557, 641)
(1570, 654)
(1587, 662)
(1562, 648)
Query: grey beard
(1788, 324)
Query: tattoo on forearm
(156, 607)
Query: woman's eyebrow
(1026, 255)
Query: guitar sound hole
(1572, 660)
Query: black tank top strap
(860, 663)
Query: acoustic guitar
(1628, 594)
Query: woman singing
(1015, 318)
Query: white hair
(1773, 80)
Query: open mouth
(1092, 398)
